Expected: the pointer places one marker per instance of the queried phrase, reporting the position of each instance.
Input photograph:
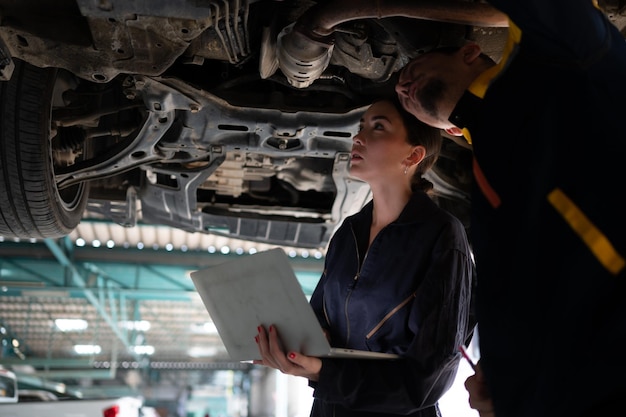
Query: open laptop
(262, 289)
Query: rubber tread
(30, 206)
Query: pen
(466, 356)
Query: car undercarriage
(230, 117)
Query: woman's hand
(292, 363)
(479, 397)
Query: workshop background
(111, 311)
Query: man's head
(431, 84)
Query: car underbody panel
(230, 117)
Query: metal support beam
(76, 374)
(48, 362)
(80, 282)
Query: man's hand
(291, 363)
(479, 397)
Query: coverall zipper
(351, 287)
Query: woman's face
(380, 149)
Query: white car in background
(8, 387)
(149, 412)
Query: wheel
(31, 204)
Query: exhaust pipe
(305, 47)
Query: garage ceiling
(117, 280)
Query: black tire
(31, 205)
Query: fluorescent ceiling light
(141, 325)
(87, 349)
(71, 325)
(204, 328)
(143, 350)
(202, 352)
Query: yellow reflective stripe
(480, 85)
(599, 245)
(467, 135)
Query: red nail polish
(258, 329)
(256, 339)
(292, 355)
(271, 328)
